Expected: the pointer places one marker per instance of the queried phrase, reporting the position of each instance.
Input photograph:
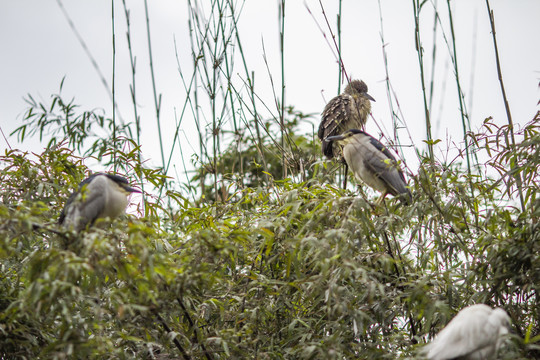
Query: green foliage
(251, 161)
(283, 269)
(60, 119)
(270, 259)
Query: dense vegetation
(277, 269)
(262, 255)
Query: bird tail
(405, 196)
(328, 149)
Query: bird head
(123, 184)
(501, 319)
(344, 138)
(358, 87)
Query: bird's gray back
(98, 196)
(375, 164)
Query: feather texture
(372, 163)
(473, 334)
(98, 196)
(346, 111)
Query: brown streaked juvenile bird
(348, 110)
(99, 196)
(373, 164)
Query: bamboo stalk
(463, 112)
(506, 104)
(157, 102)
(419, 50)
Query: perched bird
(346, 111)
(99, 196)
(372, 163)
(475, 333)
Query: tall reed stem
(419, 50)
(282, 107)
(463, 112)
(157, 101)
(506, 104)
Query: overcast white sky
(39, 49)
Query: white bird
(475, 333)
(99, 196)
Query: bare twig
(89, 54)
(506, 104)
(133, 88)
(282, 107)
(157, 100)
(195, 330)
(4, 136)
(461, 105)
(113, 89)
(185, 356)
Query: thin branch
(506, 104)
(194, 327)
(4, 136)
(113, 90)
(419, 50)
(157, 101)
(175, 340)
(133, 87)
(89, 54)
(461, 105)
(282, 107)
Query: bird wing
(384, 164)
(84, 205)
(92, 207)
(466, 333)
(335, 113)
(71, 202)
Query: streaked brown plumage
(346, 111)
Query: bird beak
(132, 190)
(370, 97)
(333, 138)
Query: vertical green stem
(113, 90)
(433, 57)
(460, 97)
(416, 10)
(282, 109)
(340, 72)
(134, 95)
(251, 84)
(506, 104)
(157, 102)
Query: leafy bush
(282, 269)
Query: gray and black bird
(372, 163)
(99, 196)
(348, 110)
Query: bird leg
(345, 179)
(381, 199)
